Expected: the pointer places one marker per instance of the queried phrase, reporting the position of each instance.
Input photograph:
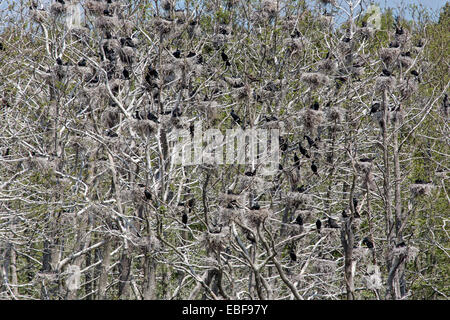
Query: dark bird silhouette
(318, 225)
(355, 205)
(331, 223)
(191, 54)
(295, 34)
(315, 106)
(415, 73)
(386, 72)
(177, 54)
(344, 214)
(106, 12)
(299, 220)
(126, 74)
(127, 42)
(310, 141)
(314, 168)
(225, 58)
(420, 181)
(401, 244)
(292, 255)
(375, 107)
(61, 1)
(184, 219)
(235, 117)
(394, 44)
(419, 44)
(399, 31)
(138, 115)
(147, 194)
(445, 104)
(59, 62)
(301, 189)
(296, 161)
(152, 117)
(283, 144)
(2, 48)
(6, 152)
(250, 173)
(82, 63)
(346, 40)
(151, 72)
(406, 54)
(280, 167)
(367, 243)
(255, 206)
(250, 236)
(111, 134)
(176, 112)
(366, 159)
(303, 151)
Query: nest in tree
(110, 117)
(421, 189)
(369, 182)
(39, 16)
(295, 45)
(324, 265)
(107, 23)
(311, 118)
(126, 55)
(408, 87)
(57, 9)
(167, 5)
(162, 26)
(255, 217)
(328, 66)
(365, 32)
(314, 79)
(298, 198)
(361, 253)
(96, 7)
(226, 215)
(385, 83)
(336, 114)
(405, 62)
(215, 241)
(145, 127)
(269, 8)
(389, 55)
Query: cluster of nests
(399, 56)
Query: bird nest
(405, 62)
(336, 114)
(57, 9)
(408, 87)
(421, 189)
(96, 7)
(389, 55)
(314, 79)
(385, 83)
(328, 66)
(108, 23)
(298, 198)
(254, 218)
(311, 118)
(215, 241)
(325, 266)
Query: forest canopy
(97, 97)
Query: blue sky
(432, 4)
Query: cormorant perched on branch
(299, 220)
(303, 151)
(367, 242)
(184, 219)
(250, 173)
(177, 54)
(296, 161)
(255, 207)
(344, 214)
(147, 194)
(152, 117)
(318, 225)
(386, 72)
(314, 168)
(331, 223)
(375, 107)
(225, 58)
(315, 106)
(311, 142)
(301, 189)
(292, 255)
(82, 63)
(235, 117)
